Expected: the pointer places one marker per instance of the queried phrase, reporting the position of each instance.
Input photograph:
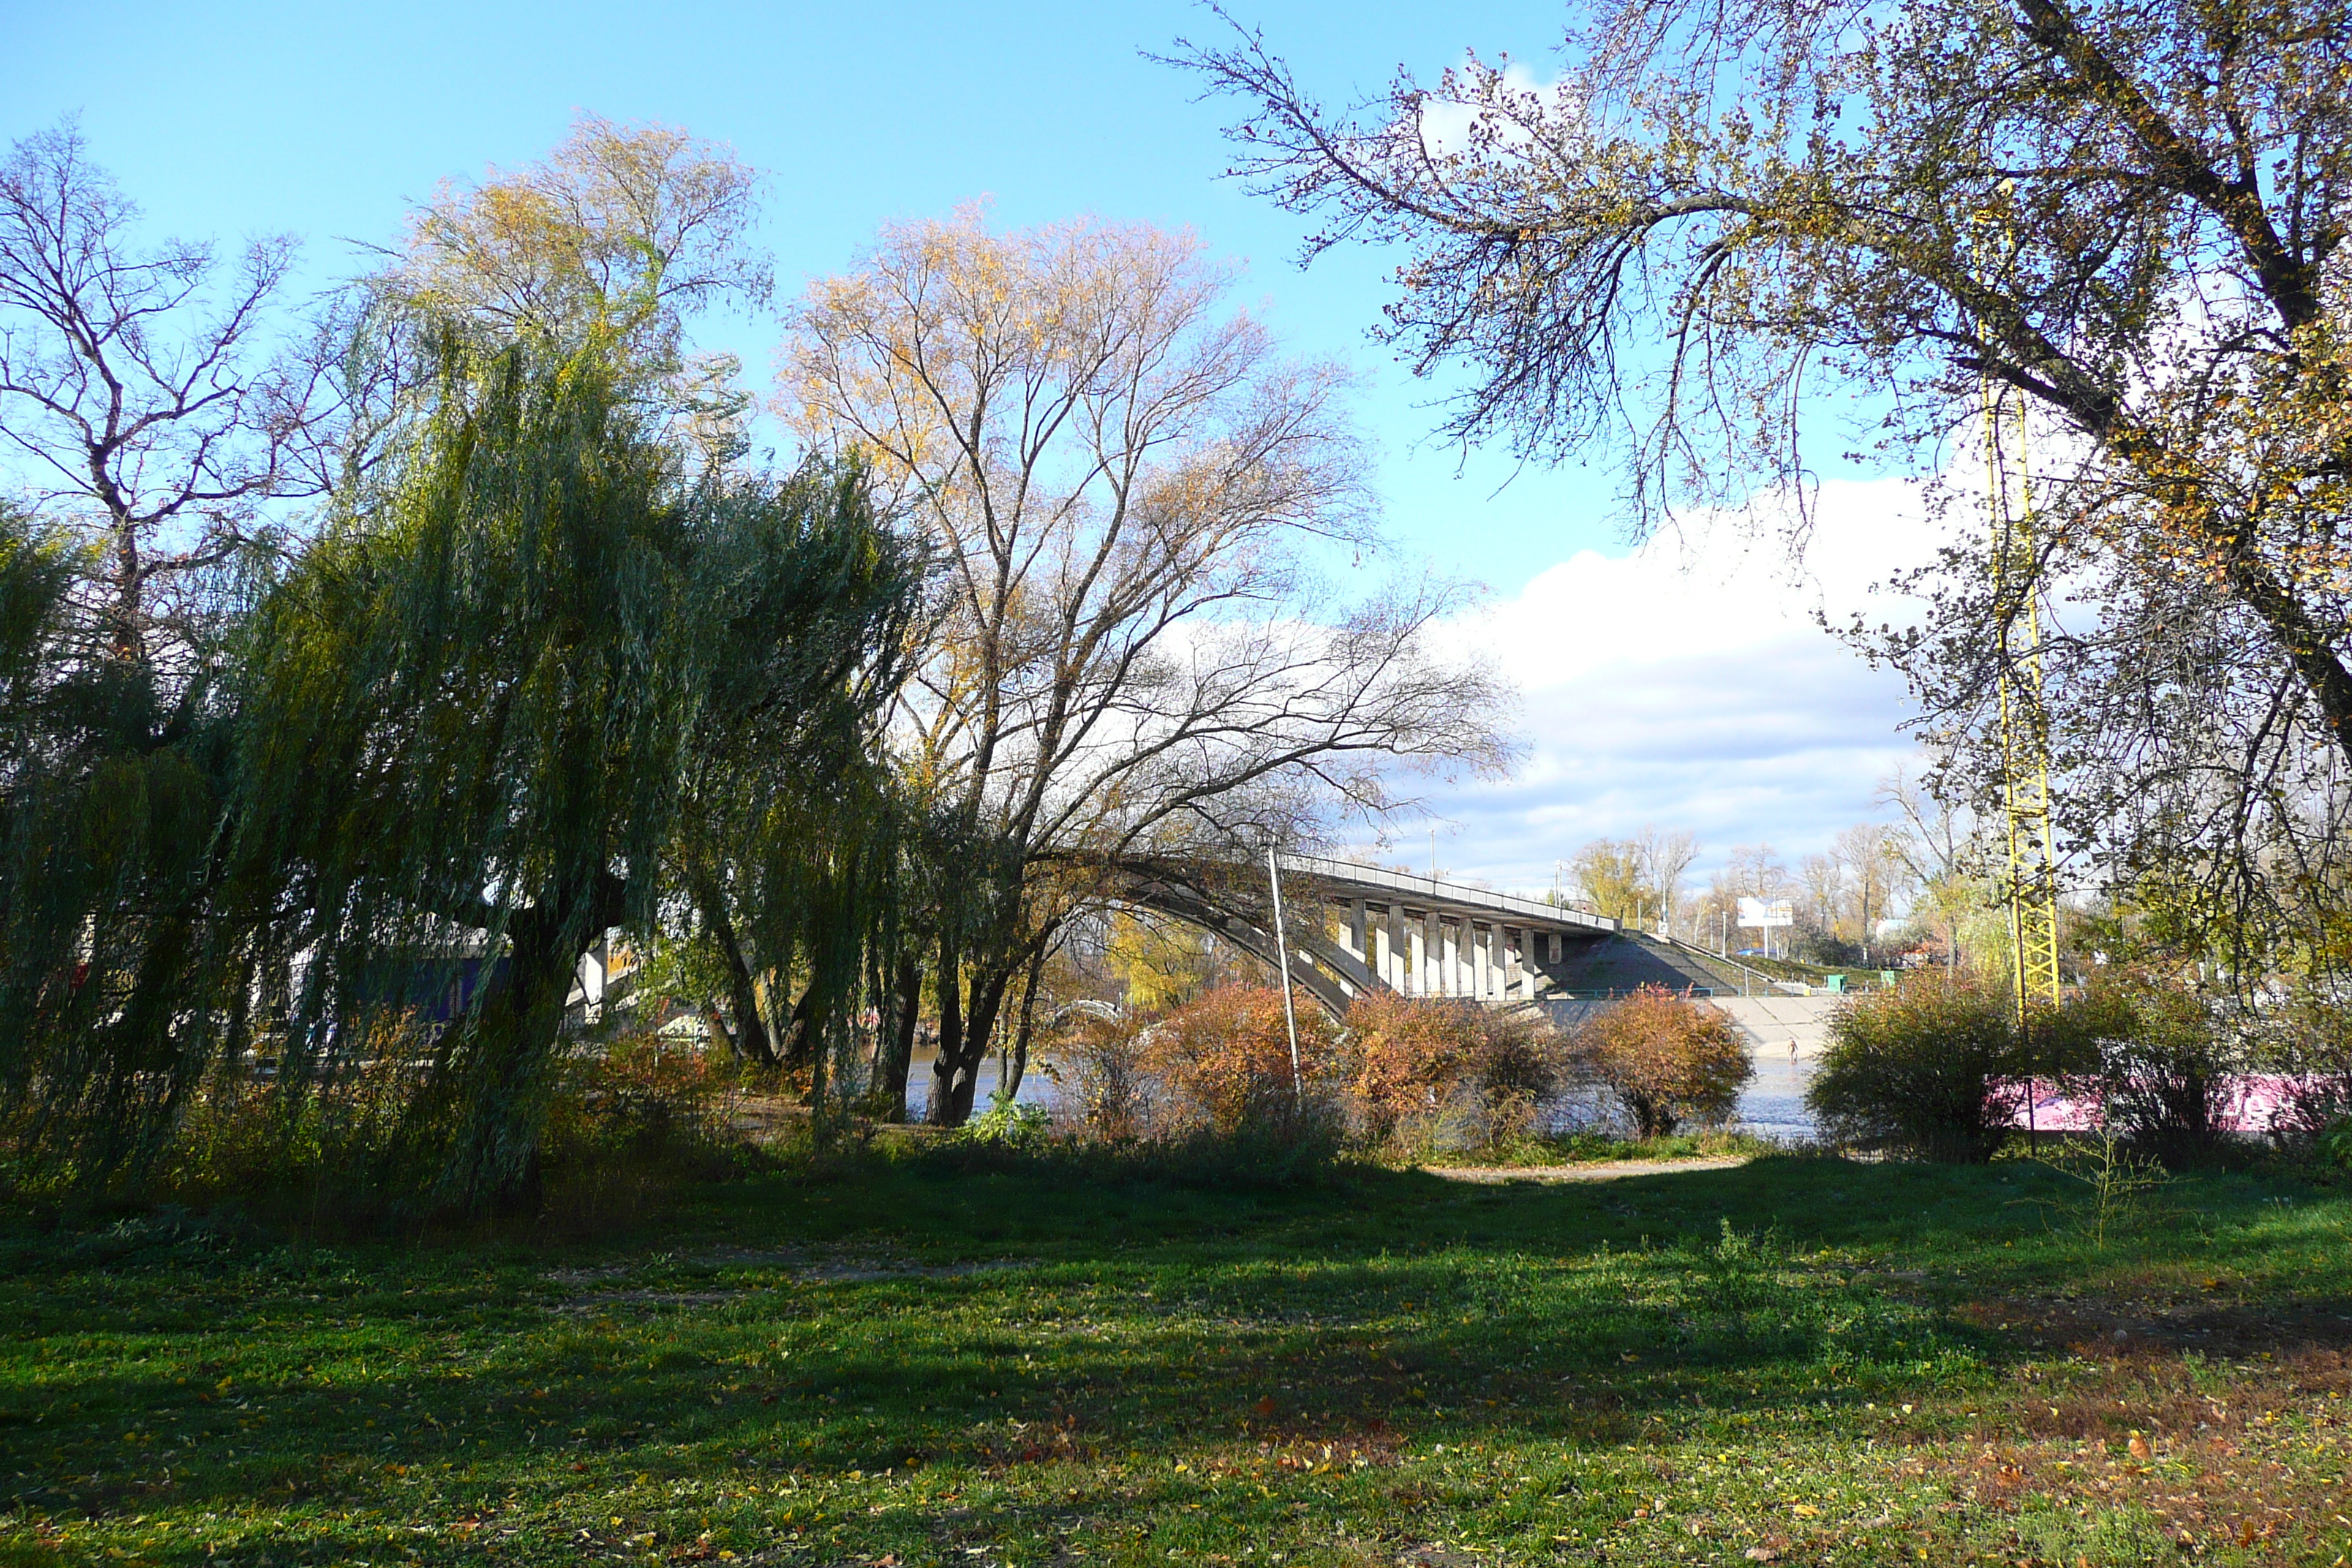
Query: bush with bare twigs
(1422, 1070)
(1107, 1092)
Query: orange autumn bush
(1667, 1059)
(1225, 1058)
(1412, 1060)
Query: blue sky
(327, 120)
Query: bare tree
(1876, 876)
(138, 390)
(1824, 880)
(1134, 663)
(1666, 857)
(1752, 871)
(1940, 847)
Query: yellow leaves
(619, 220)
(1161, 964)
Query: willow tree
(153, 412)
(482, 712)
(1122, 480)
(2130, 216)
(118, 968)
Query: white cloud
(1446, 121)
(1688, 685)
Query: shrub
(2164, 1066)
(1410, 1062)
(1225, 1058)
(1667, 1060)
(631, 1122)
(1517, 1063)
(1007, 1124)
(2308, 1046)
(1917, 1069)
(333, 1148)
(1107, 1089)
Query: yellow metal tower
(2024, 720)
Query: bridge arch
(1419, 936)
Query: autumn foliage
(1408, 1058)
(1225, 1058)
(1667, 1059)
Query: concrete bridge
(1354, 927)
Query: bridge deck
(1347, 878)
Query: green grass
(921, 1360)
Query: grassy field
(916, 1360)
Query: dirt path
(1604, 1170)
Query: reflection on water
(1771, 1106)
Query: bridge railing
(1435, 890)
(1764, 983)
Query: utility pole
(2024, 722)
(1282, 955)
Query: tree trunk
(987, 1004)
(502, 1090)
(809, 1031)
(949, 1059)
(799, 1035)
(1017, 1058)
(493, 1162)
(750, 1038)
(895, 1054)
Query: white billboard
(1755, 913)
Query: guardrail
(1459, 895)
(1614, 992)
(1760, 980)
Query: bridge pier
(1418, 951)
